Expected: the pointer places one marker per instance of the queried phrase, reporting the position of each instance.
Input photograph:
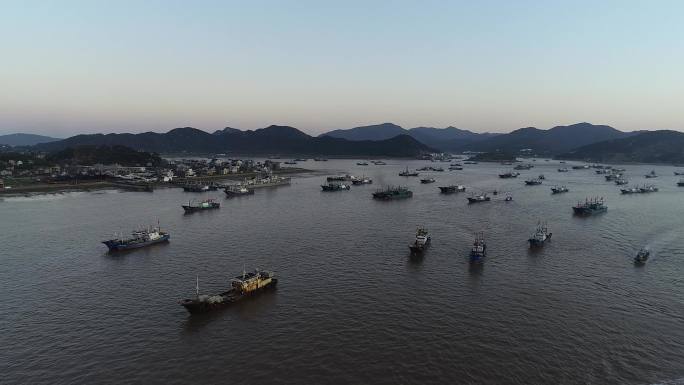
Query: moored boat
(237, 190)
(590, 207)
(363, 180)
(476, 198)
(241, 286)
(335, 187)
(408, 173)
(651, 174)
(509, 174)
(390, 193)
(427, 180)
(559, 190)
(533, 182)
(451, 189)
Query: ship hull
(116, 246)
(230, 297)
(586, 211)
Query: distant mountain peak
(21, 139)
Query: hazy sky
(71, 67)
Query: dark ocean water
(351, 306)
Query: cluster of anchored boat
(479, 247)
(344, 182)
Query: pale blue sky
(112, 66)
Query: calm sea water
(351, 307)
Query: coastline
(47, 188)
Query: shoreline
(45, 188)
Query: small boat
(363, 180)
(469, 162)
(196, 188)
(362, 163)
(335, 187)
(559, 190)
(478, 198)
(508, 198)
(427, 180)
(680, 183)
(641, 257)
(422, 241)
(379, 163)
(301, 160)
(541, 177)
(291, 162)
(451, 189)
(584, 167)
(533, 182)
(408, 173)
(457, 168)
(479, 249)
(651, 174)
(236, 191)
(621, 181)
(679, 173)
(206, 204)
(320, 160)
(540, 235)
(563, 169)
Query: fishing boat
(477, 198)
(541, 177)
(640, 189)
(540, 235)
(242, 286)
(421, 242)
(363, 180)
(523, 167)
(408, 173)
(391, 193)
(427, 180)
(479, 249)
(340, 178)
(533, 182)
(362, 163)
(590, 207)
(335, 187)
(451, 189)
(509, 174)
(559, 190)
(138, 239)
(651, 174)
(641, 257)
(237, 190)
(206, 204)
(621, 181)
(508, 198)
(563, 169)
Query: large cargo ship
(241, 286)
(139, 238)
